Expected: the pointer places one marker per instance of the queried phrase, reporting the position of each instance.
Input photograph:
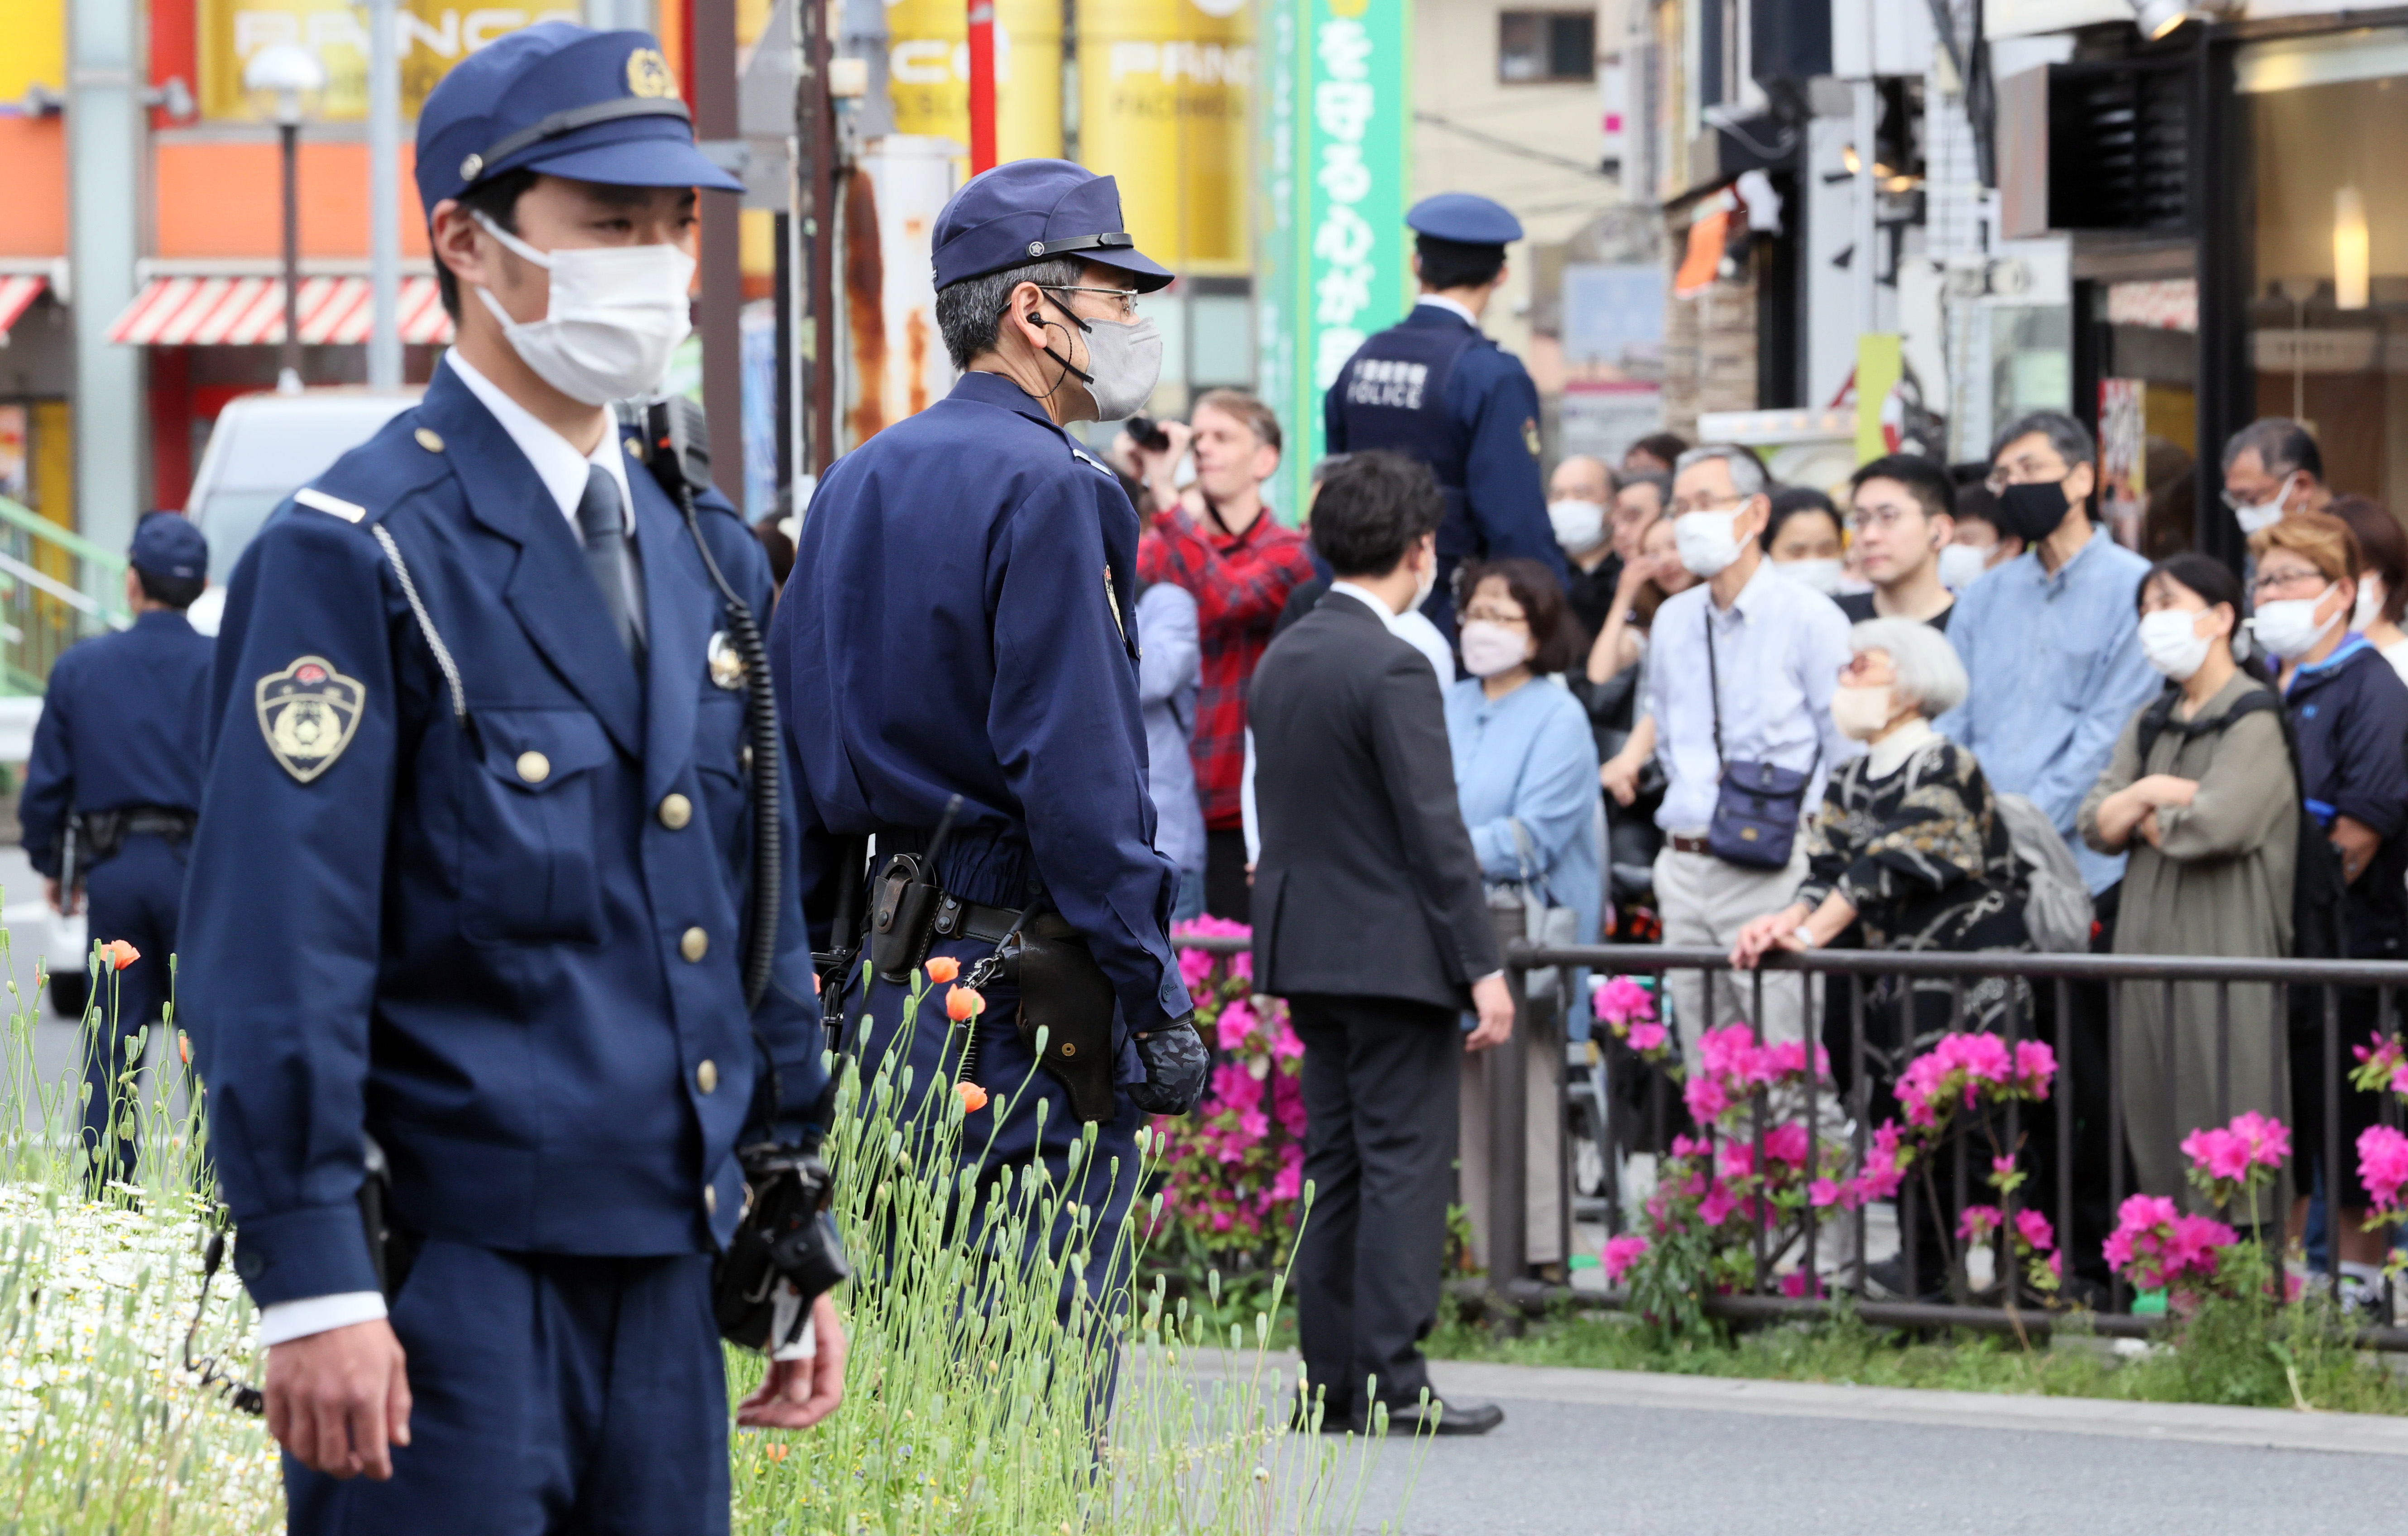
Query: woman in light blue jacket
(1526, 776)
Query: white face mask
(1490, 647)
(2288, 627)
(1123, 364)
(2170, 639)
(2266, 514)
(1862, 713)
(1961, 564)
(2369, 603)
(1428, 582)
(615, 315)
(1823, 576)
(1705, 542)
(1579, 525)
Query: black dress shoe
(1335, 1419)
(1443, 1418)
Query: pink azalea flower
(1622, 1000)
(1786, 1143)
(2383, 1164)
(1975, 1223)
(1237, 1022)
(1738, 1159)
(1621, 1252)
(1254, 1125)
(1705, 1097)
(2002, 1167)
(1286, 1044)
(2034, 1229)
(1196, 968)
(2269, 1140)
(1823, 1192)
(1222, 1221)
(1796, 1282)
(1288, 1184)
(2035, 1063)
(1718, 1207)
(1647, 1037)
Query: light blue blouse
(1529, 757)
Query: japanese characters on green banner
(1333, 260)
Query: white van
(262, 448)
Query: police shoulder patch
(309, 712)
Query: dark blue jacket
(122, 725)
(961, 620)
(1471, 413)
(481, 930)
(2350, 715)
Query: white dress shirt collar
(1369, 599)
(1411, 626)
(1889, 754)
(1440, 301)
(556, 461)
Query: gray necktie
(602, 522)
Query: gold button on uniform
(430, 440)
(695, 945)
(711, 1199)
(706, 1077)
(533, 766)
(676, 810)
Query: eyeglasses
(1515, 617)
(1884, 518)
(2269, 579)
(1126, 296)
(2245, 504)
(2022, 472)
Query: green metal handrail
(96, 606)
(68, 539)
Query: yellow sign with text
(435, 36)
(37, 53)
(1163, 88)
(929, 73)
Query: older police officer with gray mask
(960, 626)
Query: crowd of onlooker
(1933, 709)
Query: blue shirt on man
(2056, 669)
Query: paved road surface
(1607, 1453)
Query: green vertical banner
(1332, 263)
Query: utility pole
(384, 195)
(981, 21)
(722, 271)
(815, 141)
(105, 157)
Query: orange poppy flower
(775, 1451)
(185, 1046)
(973, 1098)
(118, 953)
(963, 1002)
(943, 968)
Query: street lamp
(2157, 18)
(282, 79)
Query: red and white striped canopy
(15, 294)
(250, 313)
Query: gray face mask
(1123, 364)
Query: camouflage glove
(1176, 1067)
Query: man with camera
(473, 877)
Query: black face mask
(2031, 512)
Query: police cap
(167, 544)
(1464, 217)
(1030, 210)
(565, 100)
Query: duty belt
(973, 919)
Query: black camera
(1147, 434)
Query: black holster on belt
(104, 831)
(1064, 993)
(390, 1248)
(902, 917)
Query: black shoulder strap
(1714, 681)
(2160, 716)
(2153, 721)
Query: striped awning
(196, 312)
(15, 294)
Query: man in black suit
(1369, 919)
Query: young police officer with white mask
(473, 875)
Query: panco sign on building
(1163, 108)
(435, 36)
(929, 73)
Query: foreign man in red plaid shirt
(1220, 543)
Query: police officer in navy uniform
(116, 762)
(961, 622)
(471, 871)
(1434, 388)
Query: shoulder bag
(1756, 805)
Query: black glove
(1176, 1067)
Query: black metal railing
(2050, 978)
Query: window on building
(1535, 46)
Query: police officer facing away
(961, 622)
(1433, 388)
(114, 784)
(472, 868)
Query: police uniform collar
(1437, 317)
(994, 389)
(1440, 304)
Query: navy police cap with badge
(565, 100)
(167, 544)
(1465, 218)
(1029, 210)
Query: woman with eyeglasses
(2348, 711)
(2199, 795)
(1526, 778)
